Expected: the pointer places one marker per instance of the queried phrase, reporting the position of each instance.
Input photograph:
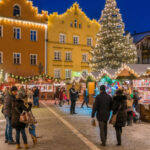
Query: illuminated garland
(23, 80)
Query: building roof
(139, 68)
(137, 37)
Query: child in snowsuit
(32, 132)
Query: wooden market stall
(47, 88)
(143, 87)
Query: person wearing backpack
(86, 98)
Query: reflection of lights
(6, 77)
(1, 75)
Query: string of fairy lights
(23, 80)
(90, 76)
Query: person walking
(7, 111)
(61, 97)
(102, 106)
(30, 95)
(18, 107)
(36, 97)
(66, 98)
(129, 109)
(22, 92)
(56, 95)
(73, 97)
(86, 98)
(119, 107)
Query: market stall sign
(76, 74)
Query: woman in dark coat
(18, 107)
(61, 96)
(120, 106)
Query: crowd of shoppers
(61, 96)
(121, 105)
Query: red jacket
(61, 96)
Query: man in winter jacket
(86, 98)
(102, 107)
(7, 110)
(73, 97)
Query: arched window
(16, 11)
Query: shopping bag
(27, 117)
(113, 119)
(94, 123)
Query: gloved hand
(93, 122)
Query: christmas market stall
(47, 87)
(45, 83)
(143, 87)
(106, 78)
(130, 77)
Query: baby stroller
(136, 116)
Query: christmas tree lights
(113, 48)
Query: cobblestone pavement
(58, 130)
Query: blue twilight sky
(135, 13)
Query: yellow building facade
(23, 38)
(71, 37)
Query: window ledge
(16, 39)
(33, 41)
(17, 64)
(33, 65)
(57, 60)
(68, 61)
(84, 62)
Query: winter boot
(26, 146)
(34, 140)
(18, 147)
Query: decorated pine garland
(23, 80)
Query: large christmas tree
(113, 48)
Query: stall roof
(112, 72)
(139, 68)
(95, 74)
